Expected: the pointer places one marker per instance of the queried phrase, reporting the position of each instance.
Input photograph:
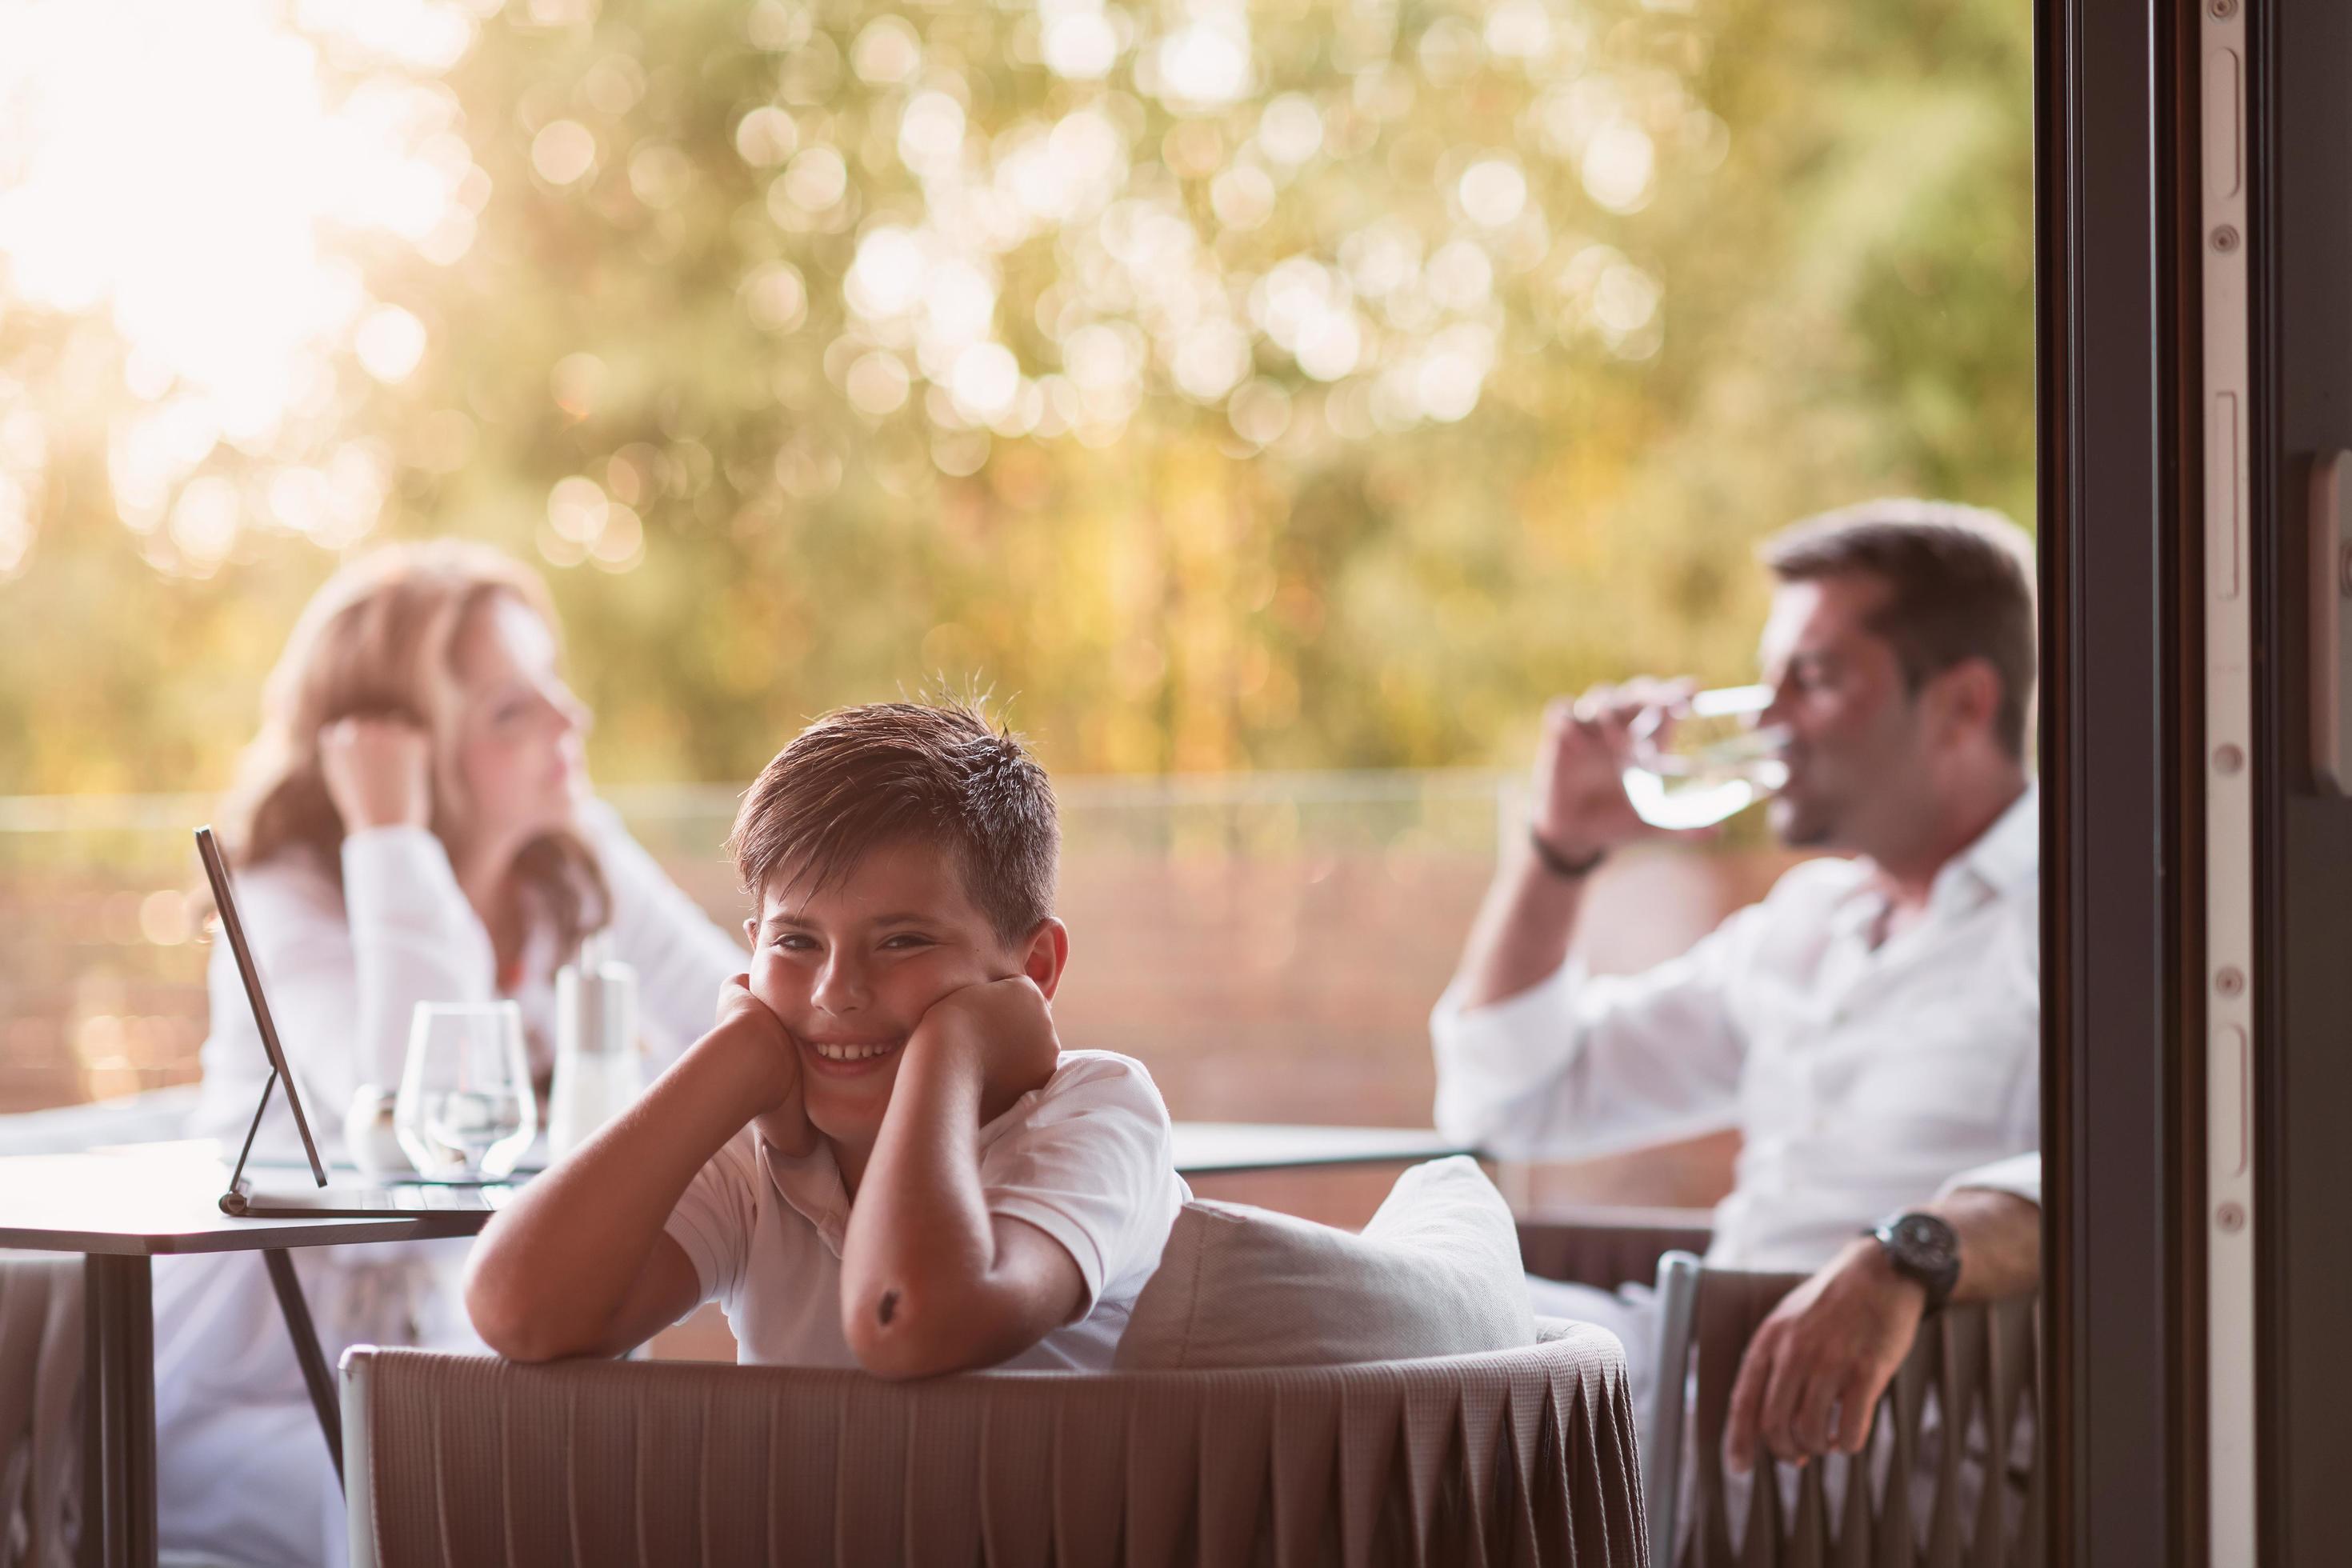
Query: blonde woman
(412, 824)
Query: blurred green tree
(1314, 383)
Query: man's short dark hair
(1960, 586)
(943, 776)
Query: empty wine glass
(466, 1111)
(1702, 760)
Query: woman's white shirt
(342, 971)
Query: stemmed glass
(1703, 760)
(466, 1111)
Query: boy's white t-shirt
(1088, 1158)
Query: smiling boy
(880, 1155)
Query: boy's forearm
(552, 1269)
(919, 1247)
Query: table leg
(119, 1413)
(316, 1375)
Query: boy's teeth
(849, 1053)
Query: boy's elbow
(895, 1338)
(513, 1327)
(504, 1330)
(901, 1360)
(522, 1344)
(520, 1339)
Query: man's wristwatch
(1921, 1248)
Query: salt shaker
(596, 1068)
(369, 1137)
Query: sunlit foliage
(1287, 384)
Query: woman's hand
(378, 772)
(784, 1119)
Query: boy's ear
(1048, 955)
(752, 930)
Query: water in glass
(1705, 760)
(465, 1110)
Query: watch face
(1926, 1239)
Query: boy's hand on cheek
(743, 1018)
(1003, 1030)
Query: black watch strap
(1559, 865)
(1923, 1248)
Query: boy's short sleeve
(715, 1217)
(1089, 1160)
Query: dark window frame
(2299, 247)
(2117, 330)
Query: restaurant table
(122, 1208)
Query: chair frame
(1981, 1360)
(1605, 1247)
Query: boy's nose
(840, 987)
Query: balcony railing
(1269, 943)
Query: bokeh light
(190, 189)
(1271, 340)
(1145, 219)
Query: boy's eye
(907, 939)
(793, 942)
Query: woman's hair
(378, 640)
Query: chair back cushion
(1436, 1272)
(1517, 1459)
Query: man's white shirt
(1862, 1078)
(2020, 1175)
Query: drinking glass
(466, 1111)
(1703, 760)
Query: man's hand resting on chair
(1814, 1372)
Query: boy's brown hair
(943, 774)
(1961, 585)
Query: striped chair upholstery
(1521, 1456)
(1914, 1497)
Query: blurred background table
(120, 1208)
(1229, 1148)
